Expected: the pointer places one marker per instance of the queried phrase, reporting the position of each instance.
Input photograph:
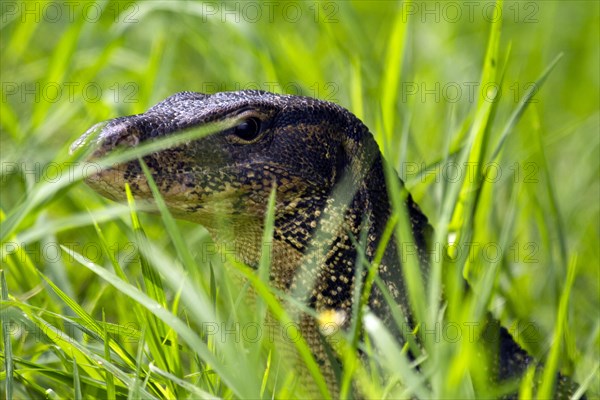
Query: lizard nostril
(128, 140)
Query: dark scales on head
(330, 192)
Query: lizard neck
(314, 248)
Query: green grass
(102, 300)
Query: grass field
(489, 112)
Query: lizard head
(301, 146)
(323, 162)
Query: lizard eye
(248, 129)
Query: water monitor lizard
(308, 149)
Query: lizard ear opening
(361, 153)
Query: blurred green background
(66, 66)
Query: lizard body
(328, 174)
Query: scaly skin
(330, 188)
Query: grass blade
(155, 308)
(76, 381)
(551, 368)
(522, 106)
(6, 340)
(393, 70)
